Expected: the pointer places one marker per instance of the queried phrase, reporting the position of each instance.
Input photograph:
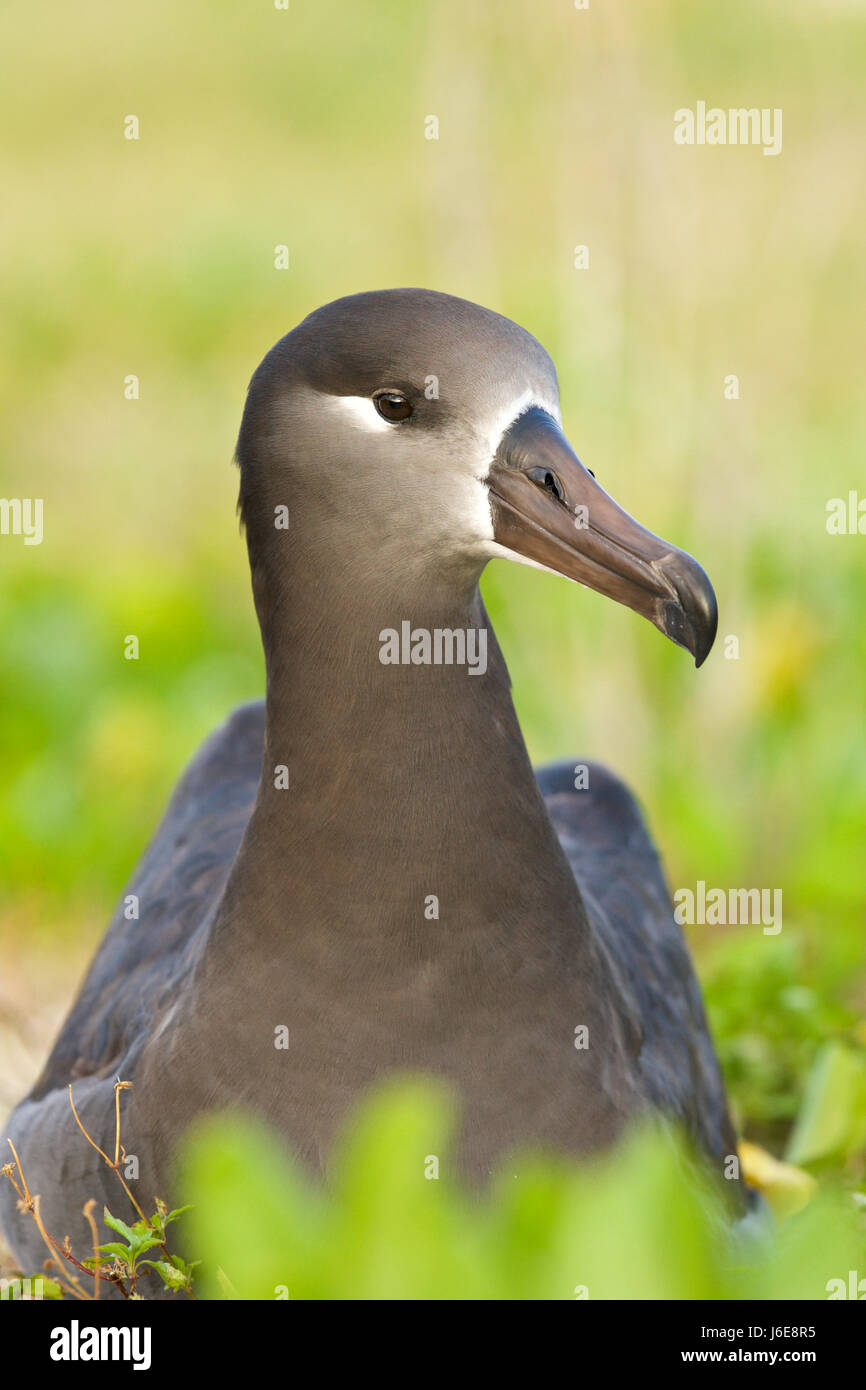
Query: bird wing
(143, 959)
(617, 867)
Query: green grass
(396, 1222)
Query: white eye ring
(362, 412)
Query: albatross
(362, 875)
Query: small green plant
(119, 1263)
(122, 1261)
(772, 1012)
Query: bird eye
(391, 405)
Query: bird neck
(392, 775)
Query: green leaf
(171, 1277)
(146, 1243)
(114, 1248)
(120, 1226)
(832, 1119)
(178, 1211)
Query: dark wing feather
(141, 963)
(617, 868)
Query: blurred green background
(306, 127)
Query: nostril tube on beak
(546, 478)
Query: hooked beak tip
(691, 619)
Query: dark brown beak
(548, 508)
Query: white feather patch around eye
(506, 417)
(362, 412)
